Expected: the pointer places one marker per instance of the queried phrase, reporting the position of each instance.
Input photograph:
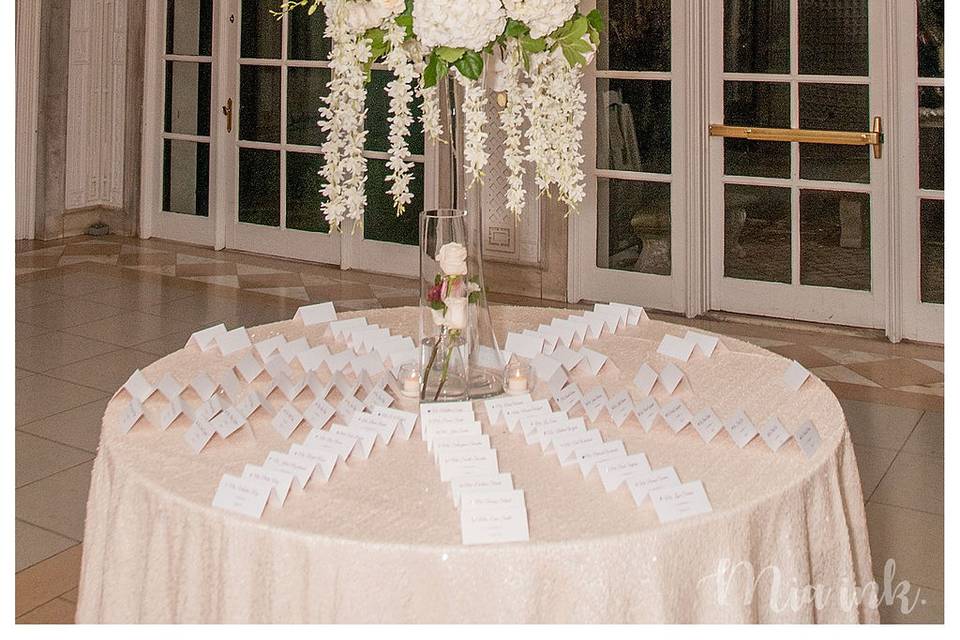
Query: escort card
(568, 398)
(567, 357)
(290, 350)
(675, 347)
(545, 366)
(645, 379)
(346, 388)
(170, 387)
(471, 484)
(228, 421)
(276, 366)
(370, 339)
(290, 388)
(593, 402)
(366, 383)
(370, 364)
(278, 480)
(365, 438)
(199, 434)
(348, 407)
(707, 424)
(313, 359)
(131, 415)
(230, 384)
(494, 500)
(203, 386)
(706, 344)
(561, 435)
(588, 456)
(741, 429)
(249, 403)
(642, 484)
(670, 377)
(170, 413)
(138, 386)
(550, 337)
(469, 464)
(338, 443)
(526, 346)
(338, 362)
(393, 345)
(592, 326)
(683, 501)
(457, 444)
(266, 348)
(676, 415)
(233, 341)
(634, 313)
(245, 496)
(610, 318)
(440, 408)
(249, 368)
(450, 427)
(287, 420)
(494, 406)
(323, 460)
(557, 381)
(208, 409)
(316, 314)
(619, 312)
(300, 468)
(206, 338)
(619, 407)
(647, 411)
(614, 472)
(536, 408)
(531, 425)
(383, 425)
(337, 327)
(568, 331)
(318, 413)
(795, 376)
(774, 434)
(594, 359)
(407, 421)
(492, 526)
(808, 438)
(378, 398)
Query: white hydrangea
(471, 24)
(361, 15)
(542, 16)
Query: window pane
(756, 36)
(756, 237)
(259, 31)
(186, 177)
(378, 108)
(637, 37)
(186, 106)
(305, 39)
(260, 103)
(380, 220)
(835, 107)
(930, 38)
(305, 86)
(259, 198)
(633, 125)
(756, 104)
(303, 193)
(633, 226)
(931, 137)
(835, 239)
(188, 27)
(834, 37)
(931, 251)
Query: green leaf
(436, 68)
(438, 305)
(577, 29)
(470, 65)
(582, 46)
(474, 297)
(515, 29)
(574, 58)
(450, 54)
(406, 21)
(531, 45)
(595, 18)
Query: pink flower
(435, 294)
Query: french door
(236, 159)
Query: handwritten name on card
(469, 464)
(287, 420)
(299, 468)
(795, 376)
(642, 484)
(492, 526)
(244, 496)
(614, 472)
(561, 437)
(679, 502)
(774, 434)
(593, 402)
(707, 424)
(406, 420)
(619, 407)
(588, 456)
(741, 429)
(470, 484)
(647, 411)
(278, 480)
(199, 434)
(808, 438)
(339, 443)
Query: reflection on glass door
(794, 225)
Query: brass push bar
(872, 138)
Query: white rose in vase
(456, 315)
(453, 259)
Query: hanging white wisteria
(540, 48)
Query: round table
(380, 542)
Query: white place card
(313, 359)
(323, 460)
(340, 361)
(231, 385)
(369, 364)
(592, 326)
(594, 360)
(131, 415)
(670, 377)
(450, 427)
(557, 381)
(676, 414)
(619, 407)
(545, 366)
(469, 464)
(493, 526)
(208, 409)
(245, 496)
(369, 340)
(526, 346)
(774, 434)
(170, 387)
(383, 425)
(550, 337)
(568, 398)
(611, 319)
(349, 407)
(634, 313)
(494, 406)
(642, 484)
(340, 444)
(300, 468)
(290, 350)
(431, 421)
(199, 434)
(808, 438)
(706, 344)
(561, 435)
(249, 368)
(205, 339)
(277, 366)
(707, 424)
(287, 420)
(346, 388)
(291, 388)
(567, 330)
(478, 484)
(365, 438)
(683, 501)
(233, 341)
(377, 398)
(621, 313)
(138, 386)
(338, 327)
(593, 402)
(741, 429)
(392, 345)
(613, 473)
(645, 379)
(512, 415)
(320, 390)
(588, 456)
(407, 420)
(318, 413)
(567, 357)
(250, 402)
(279, 481)
(494, 500)
(530, 426)
(647, 411)
(675, 347)
(266, 348)
(795, 376)
(203, 386)
(174, 409)
(228, 421)
(455, 444)
(312, 314)
(449, 408)
(366, 383)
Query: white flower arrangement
(543, 47)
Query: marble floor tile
(34, 544)
(877, 425)
(106, 372)
(78, 427)
(900, 372)
(57, 503)
(37, 458)
(872, 462)
(39, 396)
(56, 349)
(61, 314)
(57, 611)
(47, 580)
(913, 482)
(913, 539)
(130, 328)
(927, 438)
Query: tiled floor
(90, 311)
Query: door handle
(228, 111)
(873, 138)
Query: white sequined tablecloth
(380, 542)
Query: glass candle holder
(518, 378)
(409, 379)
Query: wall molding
(27, 109)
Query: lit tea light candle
(409, 380)
(518, 378)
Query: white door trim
(27, 110)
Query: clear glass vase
(459, 355)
